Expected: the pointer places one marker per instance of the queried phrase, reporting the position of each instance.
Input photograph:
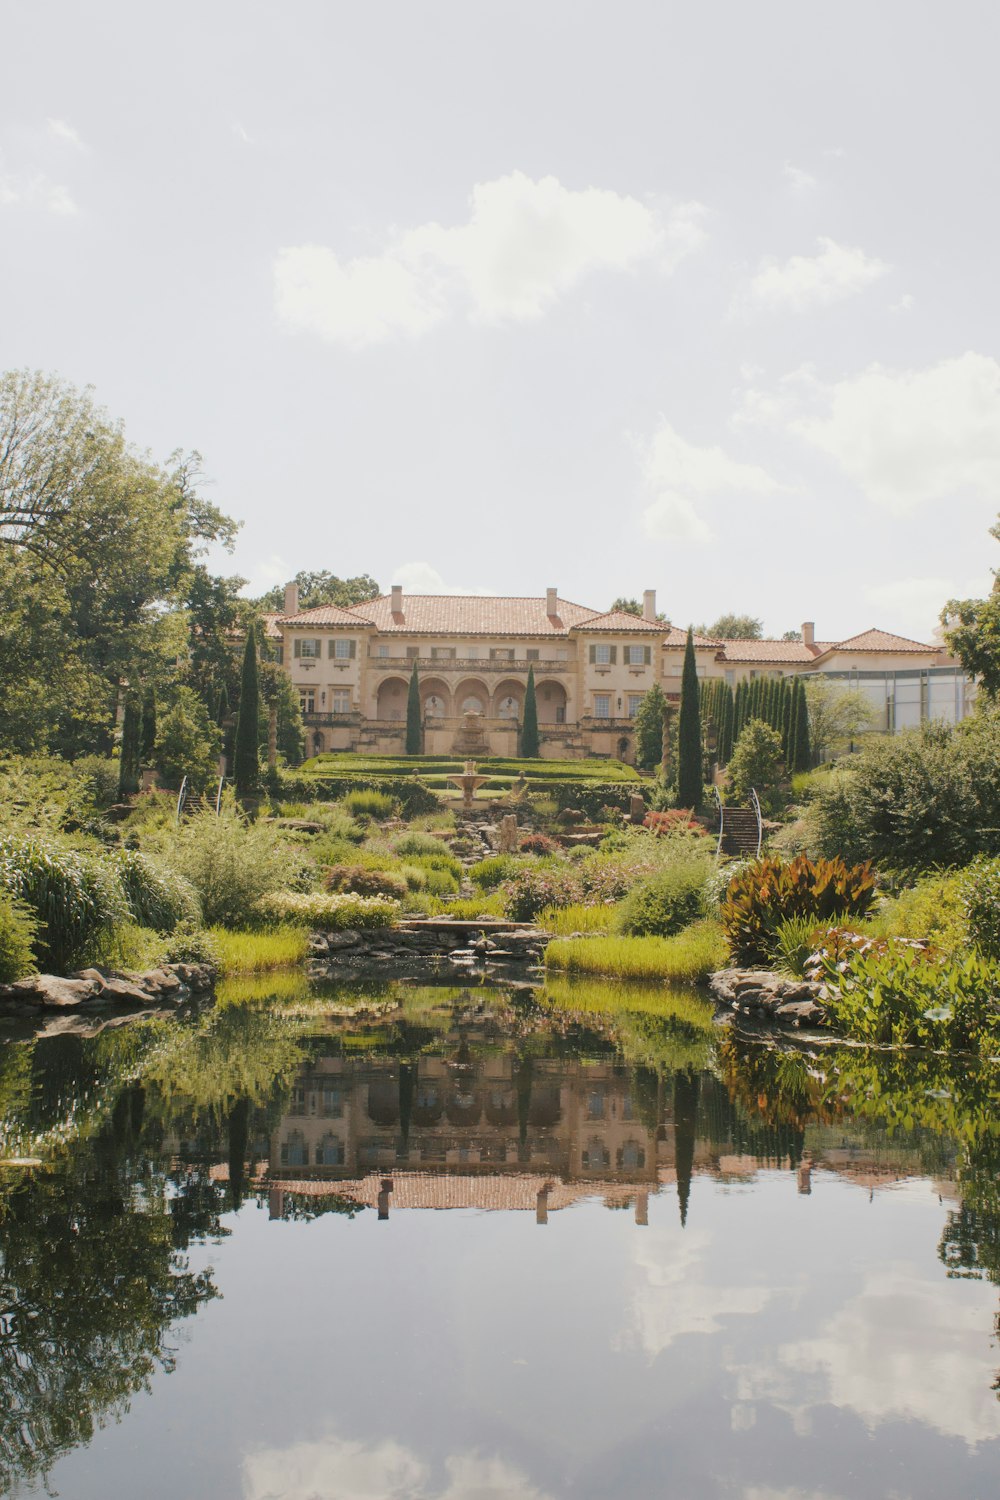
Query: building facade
(352, 669)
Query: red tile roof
(474, 614)
(771, 651)
(677, 637)
(271, 631)
(879, 640)
(617, 620)
(326, 614)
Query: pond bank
(762, 994)
(475, 948)
(100, 988)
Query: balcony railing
(324, 720)
(467, 664)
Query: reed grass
(260, 949)
(685, 958)
(564, 921)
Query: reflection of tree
(685, 1121)
(90, 1284)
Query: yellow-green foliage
(932, 909)
(260, 949)
(333, 913)
(465, 910)
(282, 986)
(686, 957)
(612, 996)
(562, 921)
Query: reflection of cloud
(672, 1298)
(903, 1349)
(765, 1492)
(349, 1470)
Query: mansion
(352, 668)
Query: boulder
(123, 992)
(54, 993)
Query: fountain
(468, 781)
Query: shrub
(665, 903)
(18, 928)
(531, 891)
(604, 881)
(364, 882)
(768, 892)
(190, 945)
(537, 843)
(933, 909)
(718, 883)
(979, 891)
(415, 842)
(157, 896)
(795, 942)
(687, 957)
(75, 900)
(333, 913)
(670, 820)
(899, 994)
(232, 863)
(465, 910)
(370, 804)
(491, 872)
(756, 762)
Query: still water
(472, 1245)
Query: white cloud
(904, 436)
(907, 1349)
(799, 180)
(678, 473)
(242, 135)
(62, 131)
(904, 305)
(671, 1296)
(423, 578)
(524, 244)
(914, 604)
(34, 190)
(806, 281)
(351, 1470)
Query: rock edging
(459, 947)
(171, 984)
(767, 996)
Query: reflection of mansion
(352, 668)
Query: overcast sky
(497, 296)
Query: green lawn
(435, 769)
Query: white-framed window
(730, 676)
(382, 651)
(343, 650)
(341, 700)
(634, 699)
(602, 705)
(308, 650)
(472, 653)
(638, 656)
(307, 700)
(602, 654)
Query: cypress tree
(689, 768)
(802, 755)
(147, 731)
(786, 719)
(413, 726)
(739, 710)
(222, 708)
(246, 755)
(128, 765)
(729, 724)
(529, 728)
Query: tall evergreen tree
(529, 727)
(246, 756)
(128, 765)
(222, 707)
(414, 736)
(728, 725)
(689, 768)
(740, 711)
(649, 729)
(147, 729)
(787, 706)
(802, 754)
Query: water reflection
(522, 1111)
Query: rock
(124, 992)
(55, 993)
(345, 939)
(799, 1012)
(161, 981)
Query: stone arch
(508, 699)
(435, 698)
(624, 748)
(472, 696)
(552, 701)
(390, 698)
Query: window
(638, 656)
(308, 650)
(531, 654)
(342, 650)
(330, 1152)
(307, 700)
(602, 706)
(382, 651)
(294, 1152)
(279, 655)
(634, 699)
(602, 655)
(730, 676)
(560, 713)
(501, 653)
(443, 653)
(341, 701)
(472, 653)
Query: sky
(496, 297)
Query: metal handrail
(180, 798)
(755, 804)
(218, 796)
(719, 803)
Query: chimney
(649, 606)
(552, 601)
(291, 598)
(808, 633)
(397, 598)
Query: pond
(435, 1244)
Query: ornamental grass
(685, 958)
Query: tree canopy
(323, 587)
(732, 627)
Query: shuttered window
(308, 650)
(602, 655)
